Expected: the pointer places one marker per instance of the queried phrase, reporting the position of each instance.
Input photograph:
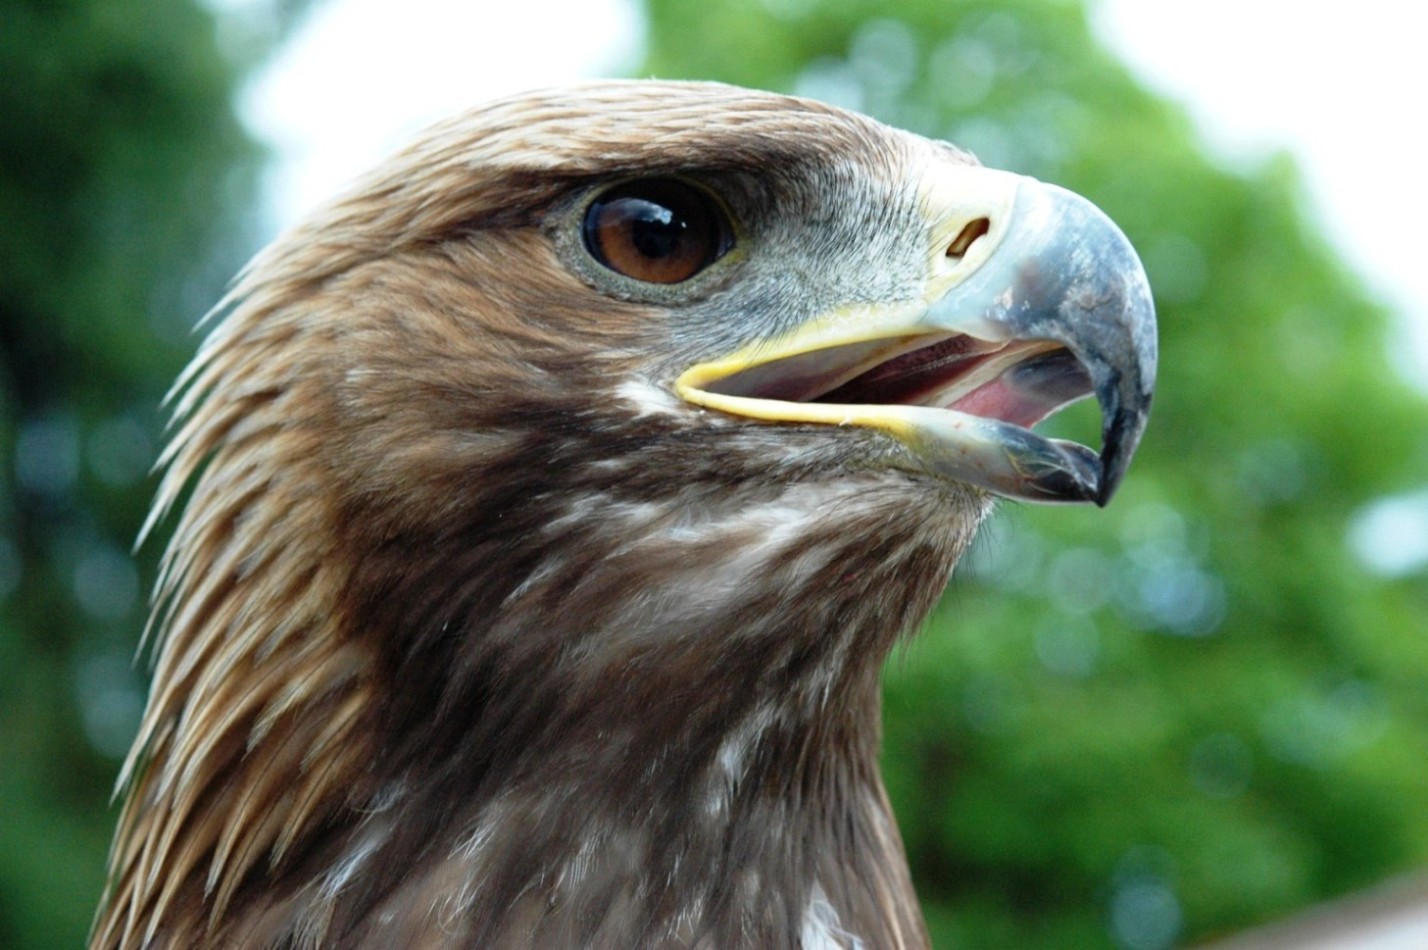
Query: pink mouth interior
(1021, 382)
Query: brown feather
(458, 644)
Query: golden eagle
(552, 501)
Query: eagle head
(551, 501)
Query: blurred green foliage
(1133, 727)
(1197, 709)
(126, 182)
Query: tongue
(1029, 391)
(914, 376)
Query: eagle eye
(659, 230)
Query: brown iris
(660, 231)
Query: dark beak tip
(1120, 439)
(1103, 497)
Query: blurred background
(1151, 726)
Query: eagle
(547, 504)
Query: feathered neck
(647, 725)
(605, 721)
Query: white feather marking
(493, 816)
(651, 400)
(821, 930)
(732, 758)
(341, 875)
(574, 872)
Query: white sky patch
(1391, 536)
(1341, 86)
(359, 77)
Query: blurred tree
(121, 169)
(1196, 709)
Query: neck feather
(606, 722)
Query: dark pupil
(654, 229)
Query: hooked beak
(1035, 299)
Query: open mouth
(1019, 382)
(1055, 309)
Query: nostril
(960, 245)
